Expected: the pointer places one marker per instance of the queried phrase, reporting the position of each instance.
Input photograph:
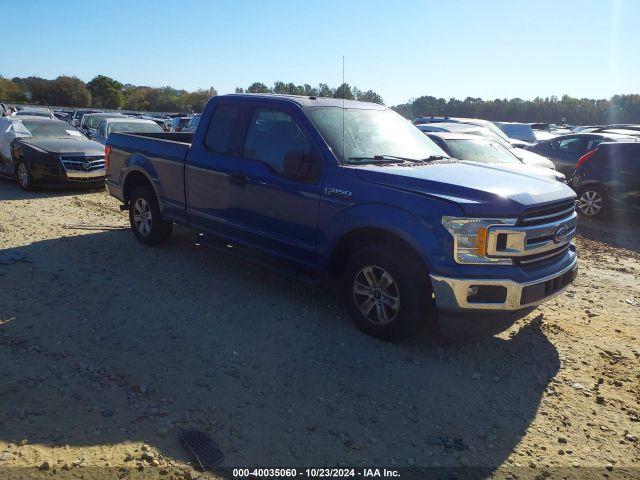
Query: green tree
(325, 91)
(10, 91)
(343, 91)
(70, 92)
(258, 87)
(369, 96)
(106, 92)
(198, 99)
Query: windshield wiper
(375, 159)
(433, 158)
(396, 159)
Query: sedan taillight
(586, 157)
(107, 152)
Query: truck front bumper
(468, 294)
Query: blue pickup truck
(326, 188)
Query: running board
(278, 265)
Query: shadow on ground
(17, 193)
(618, 229)
(104, 341)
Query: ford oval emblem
(560, 235)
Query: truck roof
(306, 101)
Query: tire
(592, 201)
(393, 286)
(145, 219)
(23, 176)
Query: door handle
(237, 178)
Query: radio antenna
(343, 95)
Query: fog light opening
(486, 294)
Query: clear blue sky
(401, 49)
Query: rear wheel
(144, 215)
(592, 201)
(387, 292)
(23, 175)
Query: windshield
(371, 133)
(518, 131)
(93, 121)
(33, 113)
(481, 150)
(137, 127)
(53, 129)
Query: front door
(242, 189)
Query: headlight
(470, 239)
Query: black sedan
(608, 179)
(564, 151)
(54, 152)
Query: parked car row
(38, 147)
(601, 163)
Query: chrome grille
(540, 235)
(548, 213)
(82, 163)
(542, 258)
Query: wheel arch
(134, 179)
(355, 239)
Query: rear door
(566, 151)
(623, 182)
(211, 161)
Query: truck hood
(76, 145)
(476, 188)
(530, 170)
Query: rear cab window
(226, 130)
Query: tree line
(106, 92)
(101, 92)
(578, 111)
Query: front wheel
(387, 292)
(23, 175)
(145, 219)
(592, 201)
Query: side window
(572, 145)
(226, 130)
(274, 136)
(554, 145)
(593, 143)
(624, 158)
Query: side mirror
(302, 166)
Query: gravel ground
(108, 348)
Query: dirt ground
(109, 348)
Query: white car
(124, 125)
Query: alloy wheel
(376, 294)
(23, 175)
(590, 203)
(142, 216)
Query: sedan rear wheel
(591, 202)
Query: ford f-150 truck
(353, 190)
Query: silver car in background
(128, 125)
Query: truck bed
(161, 156)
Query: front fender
(422, 235)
